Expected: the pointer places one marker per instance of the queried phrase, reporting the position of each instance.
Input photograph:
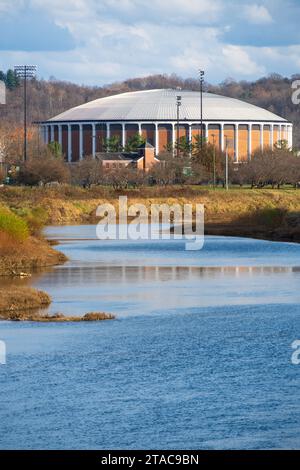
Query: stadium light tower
(24, 72)
(178, 102)
(201, 79)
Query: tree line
(10, 79)
(47, 98)
(199, 164)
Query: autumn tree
(87, 172)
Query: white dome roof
(160, 105)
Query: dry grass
(68, 204)
(225, 211)
(25, 256)
(24, 303)
(97, 316)
(19, 299)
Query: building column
(69, 143)
(236, 143)
(206, 131)
(107, 130)
(52, 133)
(272, 137)
(290, 136)
(222, 141)
(80, 141)
(123, 135)
(60, 135)
(249, 142)
(281, 132)
(173, 136)
(261, 137)
(156, 139)
(94, 140)
(190, 134)
(287, 133)
(190, 139)
(140, 128)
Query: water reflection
(66, 275)
(94, 274)
(129, 278)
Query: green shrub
(13, 225)
(36, 220)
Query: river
(199, 356)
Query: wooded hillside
(48, 98)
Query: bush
(37, 219)
(43, 170)
(13, 225)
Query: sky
(96, 42)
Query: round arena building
(82, 130)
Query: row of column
(228, 134)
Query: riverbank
(21, 258)
(257, 213)
(25, 303)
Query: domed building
(241, 126)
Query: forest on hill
(47, 98)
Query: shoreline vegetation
(25, 303)
(271, 214)
(23, 249)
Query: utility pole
(214, 158)
(201, 78)
(226, 164)
(25, 72)
(178, 102)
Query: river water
(199, 356)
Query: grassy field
(67, 204)
(71, 205)
(261, 213)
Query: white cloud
(118, 39)
(239, 61)
(8, 6)
(257, 14)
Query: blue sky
(100, 41)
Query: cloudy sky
(100, 41)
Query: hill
(48, 98)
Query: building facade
(240, 126)
(143, 159)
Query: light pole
(178, 102)
(24, 72)
(214, 158)
(201, 79)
